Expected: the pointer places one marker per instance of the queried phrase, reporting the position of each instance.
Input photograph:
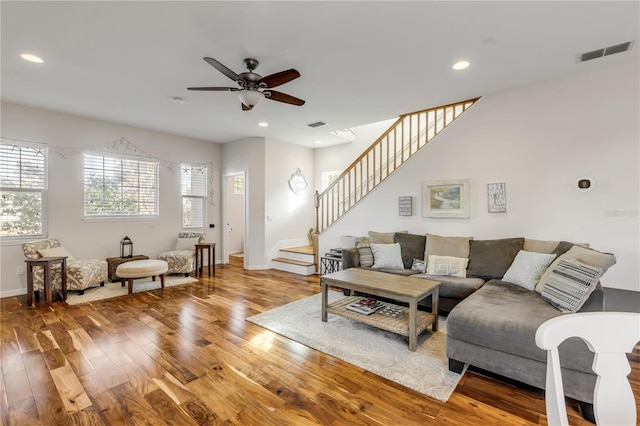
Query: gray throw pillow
(411, 247)
(490, 259)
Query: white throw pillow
(387, 256)
(447, 265)
(55, 252)
(185, 244)
(527, 268)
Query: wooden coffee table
(396, 287)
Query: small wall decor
(297, 182)
(445, 198)
(497, 197)
(405, 206)
(585, 184)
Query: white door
(234, 218)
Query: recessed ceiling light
(319, 142)
(460, 65)
(31, 58)
(263, 124)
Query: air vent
(594, 54)
(317, 124)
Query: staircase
(409, 134)
(298, 260)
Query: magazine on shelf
(362, 309)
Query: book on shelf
(362, 309)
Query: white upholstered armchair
(81, 273)
(182, 260)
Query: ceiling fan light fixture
(250, 98)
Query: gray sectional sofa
(491, 320)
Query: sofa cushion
(527, 268)
(490, 259)
(539, 246)
(183, 244)
(446, 246)
(55, 252)
(411, 247)
(386, 256)
(447, 265)
(583, 255)
(570, 284)
(505, 317)
(454, 287)
(383, 237)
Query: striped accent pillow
(570, 285)
(364, 249)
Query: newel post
(316, 232)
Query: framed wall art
(446, 198)
(497, 197)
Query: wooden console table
(211, 255)
(113, 263)
(46, 263)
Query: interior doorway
(234, 219)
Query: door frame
(225, 215)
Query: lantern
(126, 247)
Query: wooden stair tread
(293, 262)
(301, 249)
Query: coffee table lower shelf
(398, 325)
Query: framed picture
(445, 198)
(497, 197)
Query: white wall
(66, 190)
(289, 215)
(539, 140)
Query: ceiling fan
(253, 87)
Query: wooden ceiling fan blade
(279, 78)
(283, 97)
(215, 89)
(223, 69)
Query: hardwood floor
(186, 356)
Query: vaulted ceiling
(361, 62)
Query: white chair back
(609, 335)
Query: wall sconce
(126, 247)
(297, 182)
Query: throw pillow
(527, 268)
(187, 244)
(419, 265)
(570, 284)
(447, 265)
(562, 248)
(55, 252)
(539, 246)
(411, 247)
(490, 259)
(364, 250)
(581, 254)
(387, 256)
(446, 246)
(383, 237)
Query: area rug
(383, 353)
(115, 289)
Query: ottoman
(141, 269)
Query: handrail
(402, 140)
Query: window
(23, 190)
(119, 186)
(238, 185)
(329, 177)
(194, 195)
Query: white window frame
(22, 185)
(123, 216)
(201, 195)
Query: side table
(211, 254)
(113, 263)
(46, 263)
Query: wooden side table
(113, 263)
(211, 254)
(46, 262)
